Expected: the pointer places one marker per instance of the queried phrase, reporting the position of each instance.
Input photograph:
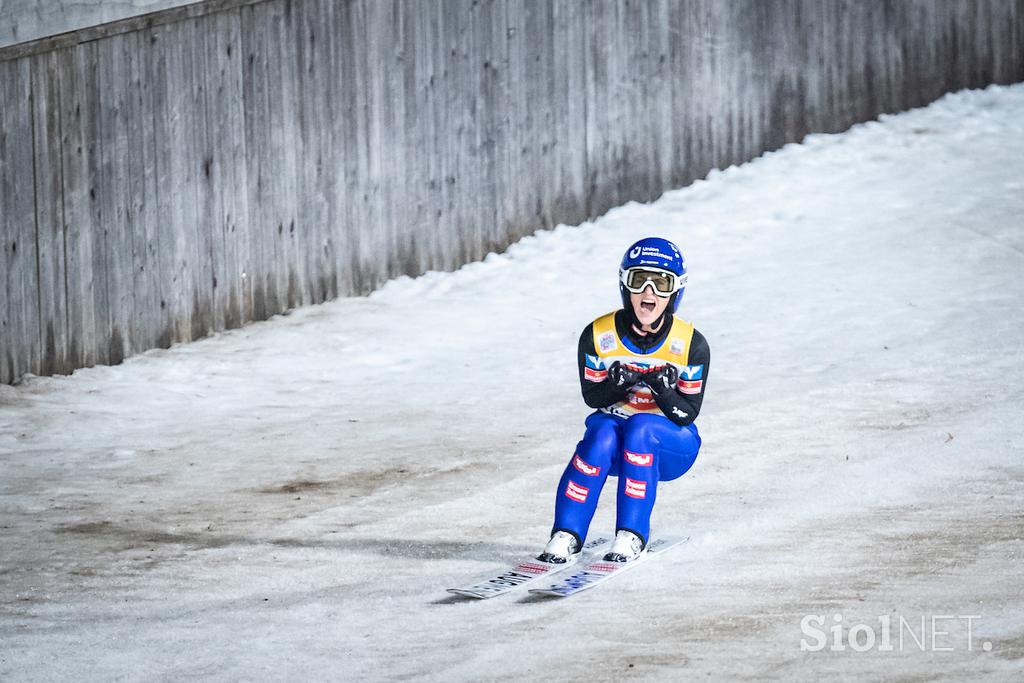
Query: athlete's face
(647, 305)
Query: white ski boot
(560, 548)
(626, 547)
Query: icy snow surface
(290, 500)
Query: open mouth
(647, 305)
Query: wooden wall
(166, 177)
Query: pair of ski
(593, 570)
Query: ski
(529, 571)
(600, 571)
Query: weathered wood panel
(172, 175)
(20, 348)
(225, 214)
(175, 194)
(146, 326)
(114, 219)
(85, 247)
(49, 215)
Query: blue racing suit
(636, 435)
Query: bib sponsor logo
(576, 492)
(636, 489)
(642, 400)
(686, 387)
(606, 342)
(641, 459)
(693, 372)
(583, 467)
(677, 347)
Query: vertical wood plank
(412, 231)
(334, 159)
(350, 276)
(260, 244)
(224, 172)
(19, 325)
(49, 207)
(88, 320)
(284, 140)
(365, 181)
(113, 218)
(200, 196)
(207, 161)
(568, 70)
(215, 178)
(175, 199)
(511, 156)
(159, 241)
(144, 327)
(312, 145)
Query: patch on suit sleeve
(636, 489)
(691, 379)
(594, 371)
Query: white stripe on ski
(600, 571)
(527, 572)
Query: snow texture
(290, 500)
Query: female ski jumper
(647, 389)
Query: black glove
(622, 376)
(661, 379)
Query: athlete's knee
(602, 436)
(640, 431)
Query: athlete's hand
(661, 379)
(623, 376)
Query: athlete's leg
(585, 474)
(678, 453)
(654, 448)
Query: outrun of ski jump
(301, 499)
(530, 468)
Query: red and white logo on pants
(636, 489)
(576, 492)
(589, 470)
(642, 459)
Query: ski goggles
(664, 282)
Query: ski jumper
(635, 435)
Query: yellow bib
(675, 349)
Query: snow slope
(290, 500)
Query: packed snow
(291, 500)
